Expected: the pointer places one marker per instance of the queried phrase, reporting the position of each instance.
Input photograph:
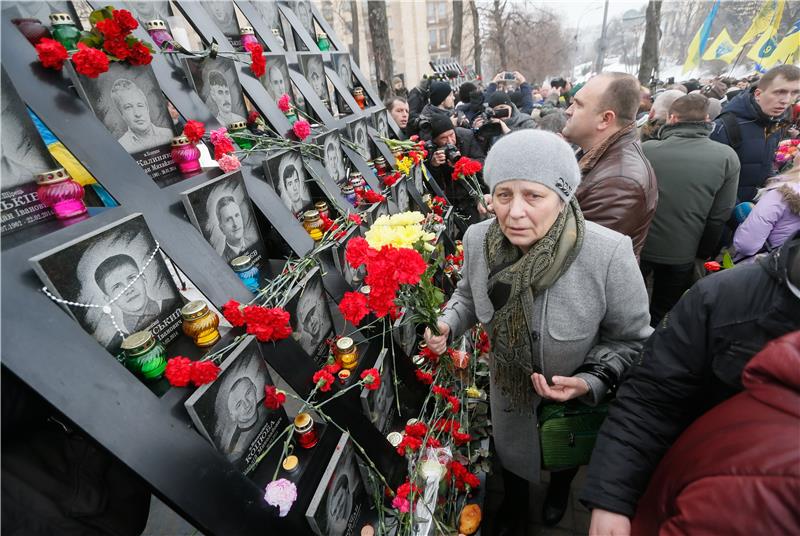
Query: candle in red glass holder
(185, 154)
(305, 431)
(248, 36)
(361, 100)
(58, 191)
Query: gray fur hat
(536, 156)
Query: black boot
(557, 498)
(513, 514)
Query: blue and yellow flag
(767, 43)
(698, 45)
(785, 49)
(762, 21)
(723, 48)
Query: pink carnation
(281, 493)
(401, 504)
(218, 135)
(301, 129)
(229, 163)
(284, 103)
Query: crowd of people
(594, 268)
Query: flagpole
(738, 57)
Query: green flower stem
(269, 447)
(218, 354)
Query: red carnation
(372, 379)
(110, 29)
(125, 20)
(483, 345)
(51, 53)
(409, 266)
(429, 355)
(89, 61)
(117, 47)
(179, 371)
(267, 324)
(390, 180)
(233, 313)
(408, 489)
(222, 147)
(274, 399)
(440, 391)
(204, 372)
(424, 377)
(301, 129)
(461, 476)
(258, 62)
(194, 130)
(409, 442)
(355, 218)
(323, 379)
(432, 442)
(454, 403)
(140, 55)
(372, 197)
(253, 116)
(356, 251)
(712, 266)
(354, 307)
(418, 429)
(461, 438)
(332, 368)
(284, 103)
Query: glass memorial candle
(240, 127)
(380, 166)
(159, 33)
(33, 29)
(290, 463)
(186, 155)
(60, 192)
(291, 115)
(358, 95)
(357, 181)
(428, 200)
(349, 194)
(305, 431)
(144, 355)
(248, 36)
(64, 30)
(322, 208)
(394, 439)
(200, 323)
(277, 34)
(346, 354)
(343, 376)
(312, 223)
(247, 271)
(397, 152)
(322, 42)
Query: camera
(508, 75)
(451, 153)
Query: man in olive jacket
(697, 182)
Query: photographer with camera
(447, 145)
(501, 117)
(512, 83)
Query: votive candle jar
(64, 30)
(185, 154)
(159, 34)
(357, 181)
(312, 223)
(346, 353)
(358, 95)
(291, 115)
(248, 36)
(277, 34)
(200, 323)
(237, 128)
(305, 430)
(60, 192)
(322, 42)
(350, 194)
(144, 355)
(322, 208)
(380, 166)
(248, 272)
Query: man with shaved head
(618, 189)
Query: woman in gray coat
(562, 299)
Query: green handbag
(568, 431)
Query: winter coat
(517, 121)
(595, 313)
(774, 219)
(526, 105)
(692, 362)
(759, 136)
(736, 469)
(619, 189)
(697, 180)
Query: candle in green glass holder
(144, 355)
(64, 30)
(322, 42)
(240, 127)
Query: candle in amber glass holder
(346, 353)
(200, 323)
(358, 95)
(312, 223)
(60, 192)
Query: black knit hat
(440, 124)
(498, 98)
(439, 92)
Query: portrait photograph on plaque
(380, 123)
(341, 64)
(230, 411)
(353, 276)
(120, 271)
(223, 14)
(405, 334)
(357, 134)
(314, 71)
(401, 196)
(217, 83)
(128, 101)
(332, 156)
(268, 10)
(276, 80)
(302, 8)
(221, 210)
(311, 318)
(24, 156)
(338, 501)
(378, 405)
(291, 181)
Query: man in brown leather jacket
(618, 189)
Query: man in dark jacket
(697, 180)
(755, 121)
(618, 189)
(441, 104)
(445, 137)
(692, 362)
(506, 119)
(743, 453)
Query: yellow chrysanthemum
(404, 165)
(406, 218)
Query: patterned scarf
(515, 279)
(590, 158)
